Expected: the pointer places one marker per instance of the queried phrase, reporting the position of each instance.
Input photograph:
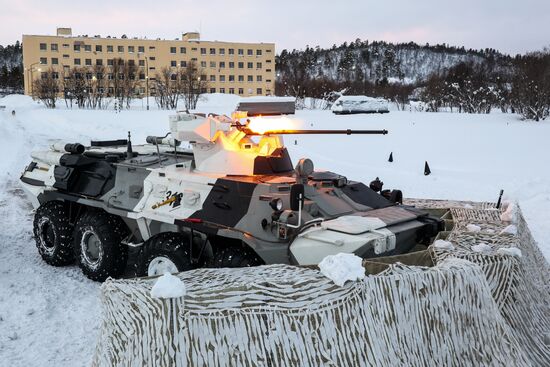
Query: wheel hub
(46, 235)
(91, 248)
(160, 265)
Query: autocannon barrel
(321, 132)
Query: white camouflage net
(469, 309)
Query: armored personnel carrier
(233, 199)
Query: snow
(511, 229)
(473, 228)
(509, 251)
(481, 247)
(509, 215)
(50, 316)
(342, 267)
(168, 286)
(443, 245)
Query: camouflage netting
(466, 309)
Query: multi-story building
(246, 69)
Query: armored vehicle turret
(232, 198)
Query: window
(231, 78)
(268, 70)
(120, 61)
(44, 75)
(88, 62)
(203, 90)
(109, 48)
(53, 47)
(250, 65)
(65, 56)
(258, 90)
(43, 47)
(231, 65)
(231, 90)
(258, 78)
(43, 60)
(131, 49)
(77, 61)
(141, 62)
(193, 49)
(203, 51)
(222, 90)
(241, 65)
(268, 61)
(241, 91)
(172, 50)
(55, 75)
(268, 51)
(203, 64)
(250, 78)
(212, 90)
(212, 64)
(99, 76)
(88, 48)
(212, 78)
(65, 45)
(98, 48)
(212, 51)
(141, 49)
(250, 52)
(89, 76)
(241, 78)
(173, 63)
(258, 65)
(152, 58)
(222, 64)
(120, 48)
(222, 79)
(55, 61)
(231, 51)
(183, 64)
(258, 52)
(183, 50)
(141, 76)
(110, 76)
(120, 76)
(110, 62)
(173, 77)
(240, 52)
(152, 48)
(131, 62)
(203, 77)
(222, 51)
(268, 81)
(76, 47)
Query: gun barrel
(322, 132)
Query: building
(246, 69)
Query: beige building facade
(245, 69)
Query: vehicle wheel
(235, 257)
(53, 234)
(165, 252)
(97, 240)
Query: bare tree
(46, 88)
(531, 86)
(193, 83)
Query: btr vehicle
(234, 198)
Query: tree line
(98, 86)
(441, 77)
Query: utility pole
(146, 77)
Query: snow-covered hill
(50, 316)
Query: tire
(53, 233)
(98, 243)
(235, 257)
(165, 252)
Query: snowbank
(358, 104)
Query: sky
(511, 26)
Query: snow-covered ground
(50, 316)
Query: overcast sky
(512, 26)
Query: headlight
(276, 204)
